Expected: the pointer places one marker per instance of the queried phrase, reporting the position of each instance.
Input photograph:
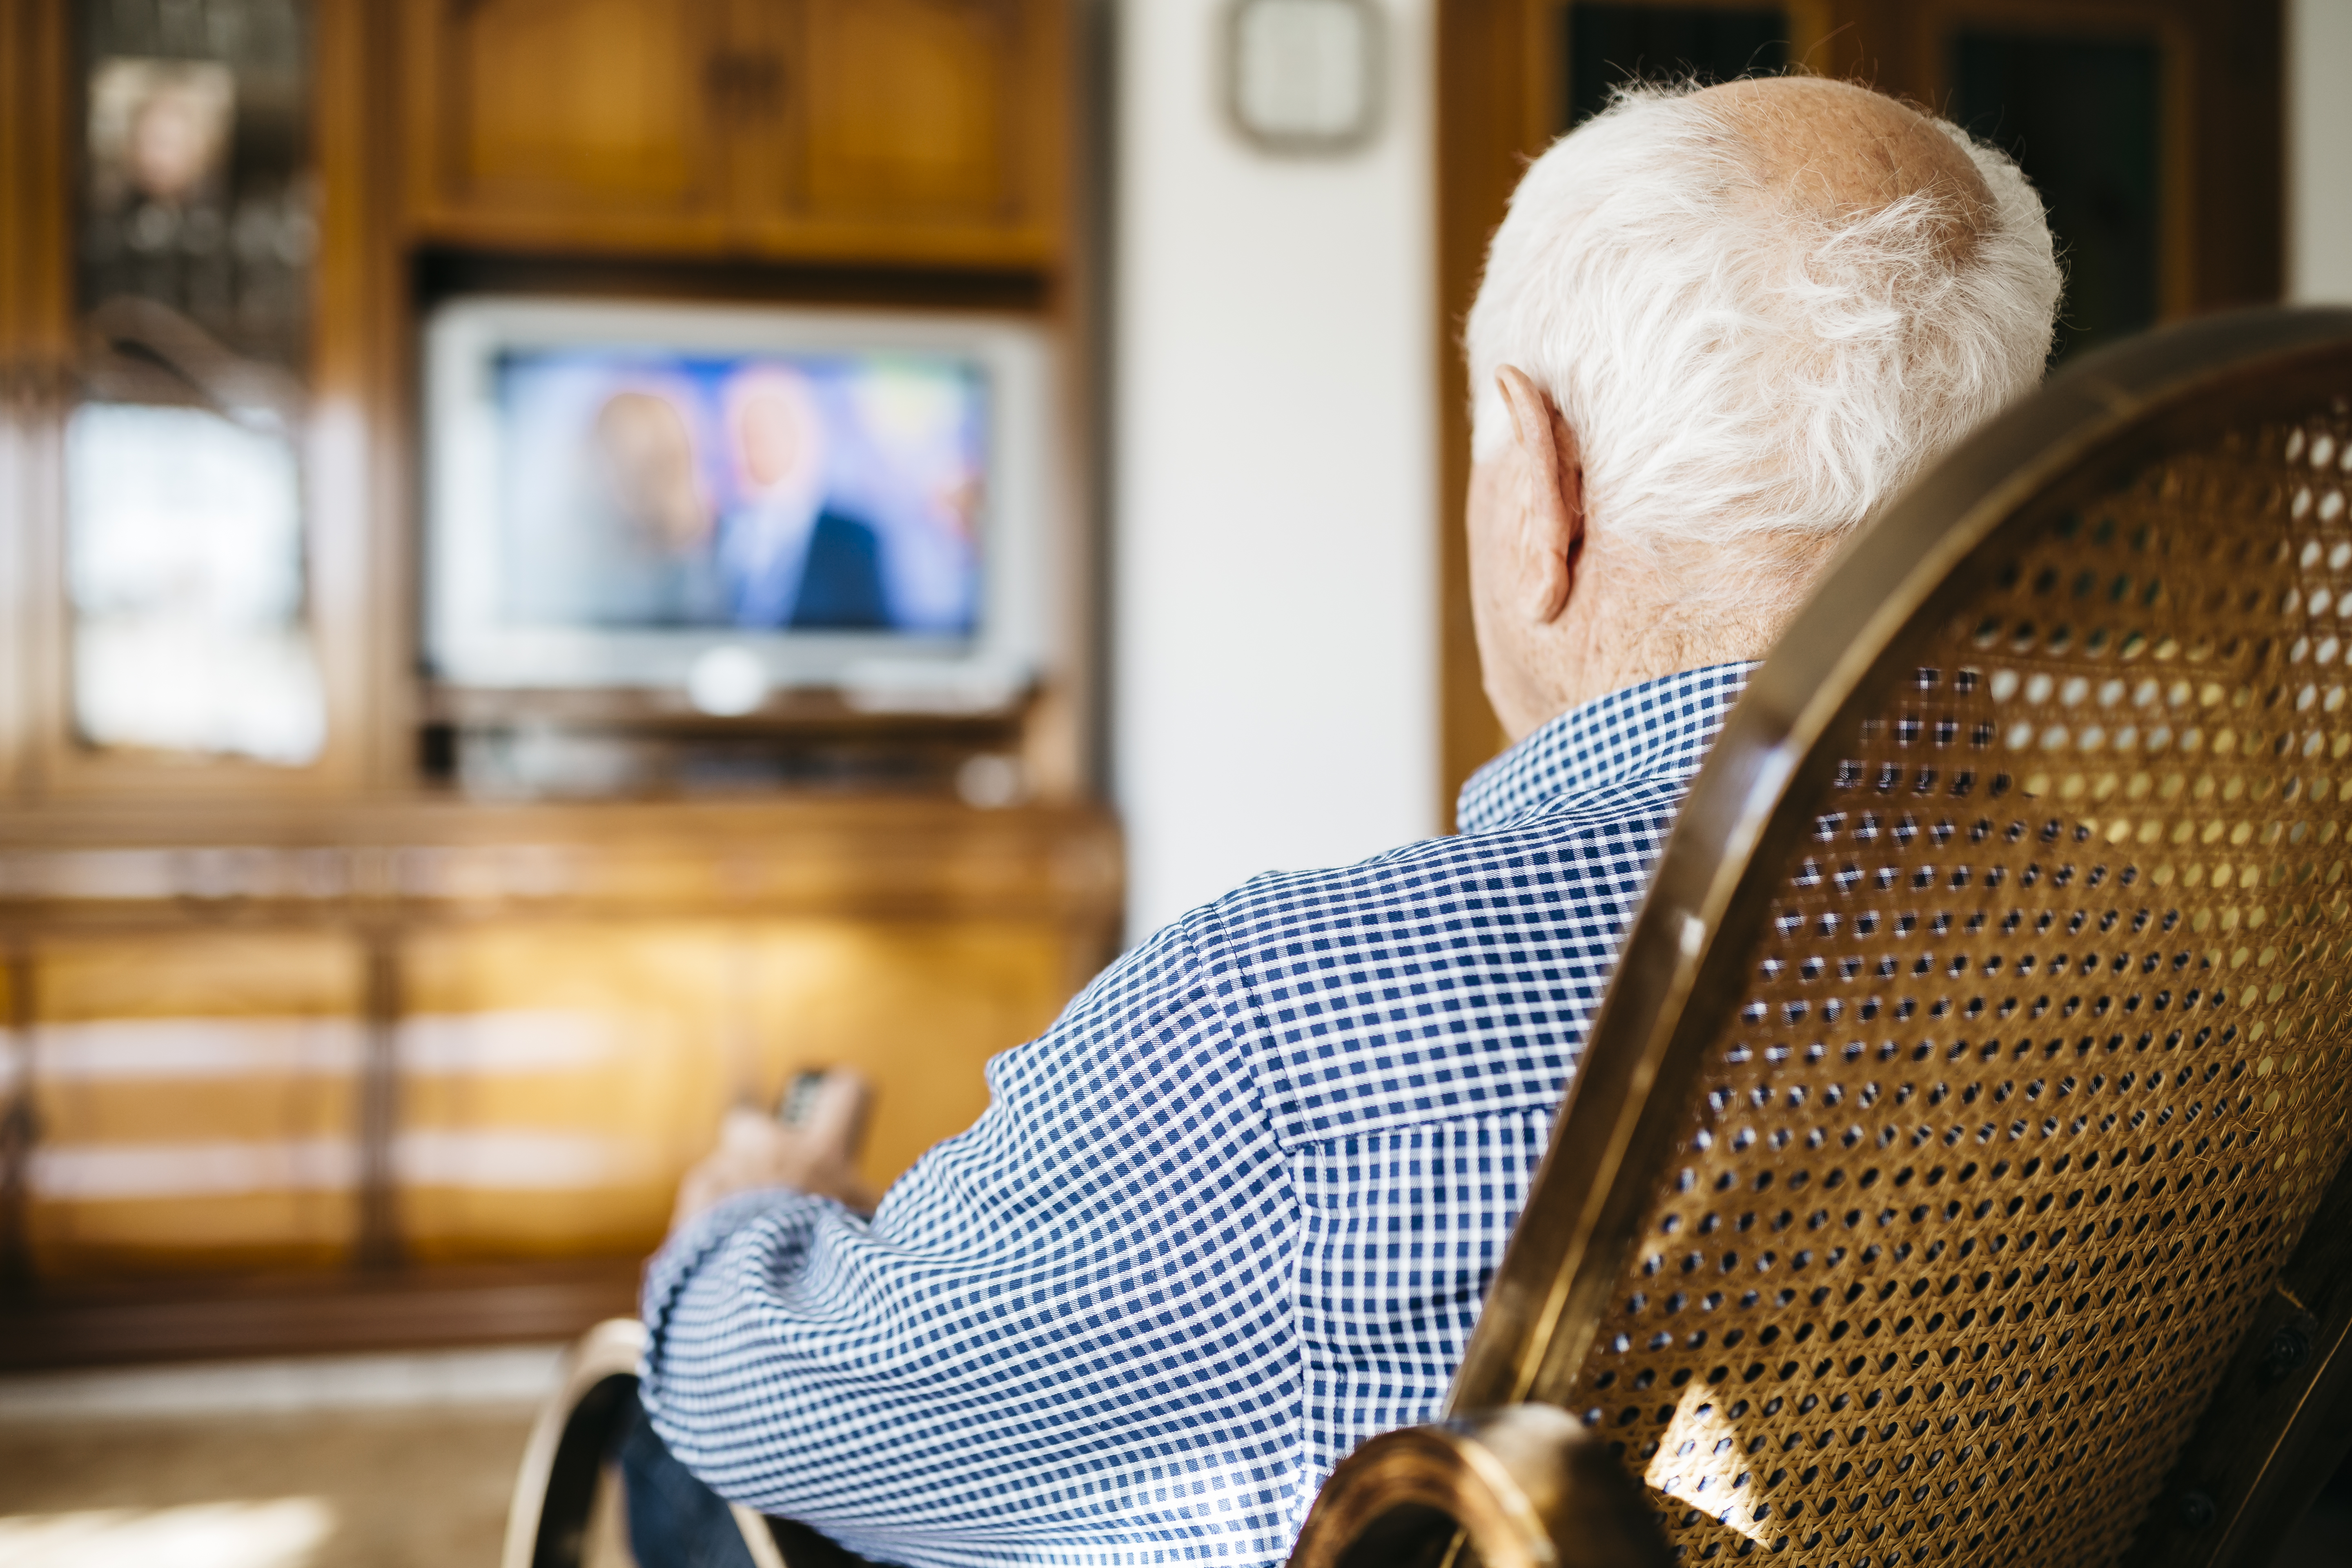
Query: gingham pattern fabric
(1232, 1215)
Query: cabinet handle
(767, 75)
(744, 84)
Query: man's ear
(1551, 511)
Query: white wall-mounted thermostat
(1304, 76)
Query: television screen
(763, 492)
(620, 492)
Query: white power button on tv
(727, 682)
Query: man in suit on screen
(794, 562)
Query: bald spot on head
(1846, 150)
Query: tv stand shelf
(786, 712)
(528, 745)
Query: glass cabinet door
(2084, 117)
(186, 573)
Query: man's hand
(818, 1156)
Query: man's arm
(1069, 1328)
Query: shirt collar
(1660, 727)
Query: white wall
(1273, 605)
(2319, 151)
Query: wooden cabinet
(909, 115)
(924, 132)
(285, 1029)
(569, 117)
(300, 1039)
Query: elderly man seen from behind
(1237, 1209)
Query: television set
(726, 501)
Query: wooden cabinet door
(557, 1078)
(568, 123)
(197, 1101)
(905, 130)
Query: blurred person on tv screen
(619, 530)
(791, 558)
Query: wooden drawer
(196, 1101)
(556, 1078)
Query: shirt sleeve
(1068, 1331)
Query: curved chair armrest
(1527, 1485)
(595, 1391)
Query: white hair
(1736, 361)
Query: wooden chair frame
(2268, 1442)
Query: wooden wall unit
(1502, 100)
(908, 132)
(331, 1054)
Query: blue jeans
(676, 1521)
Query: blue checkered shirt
(1232, 1215)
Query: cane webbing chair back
(1979, 1054)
